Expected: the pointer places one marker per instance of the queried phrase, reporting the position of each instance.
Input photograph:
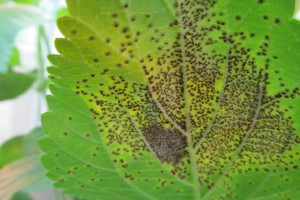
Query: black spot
(238, 17)
(133, 18)
(265, 17)
(73, 32)
(277, 20)
(125, 29)
(116, 24)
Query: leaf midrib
(186, 132)
(158, 104)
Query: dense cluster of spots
(204, 73)
(238, 119)
(168, 145)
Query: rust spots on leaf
(169, 145)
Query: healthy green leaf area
(166, 99)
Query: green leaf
(62, 12)
(166, 99)
(20, 146)
(21, 195)
(297, 11)
(26, 173)
(14, 17)
(14, 84)
(34, 2)
(11, 150)
(15, 58)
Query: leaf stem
(43, 47)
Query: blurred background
(27, 33)
(30, 16)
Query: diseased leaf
(166, 99)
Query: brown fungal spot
(169, 145)
(265, 17)
(277, 21)
(73, 32)
(91, 38)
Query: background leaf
(34, 2)
(297, 10)
(24, 173)
(14, 59)
(11, 150)
(21, 196)
(175, 100)
(13, 84)
(14, 17)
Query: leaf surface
(11, 150)
(165, 99)
(14, 84)
(21, 196)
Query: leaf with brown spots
(166, 99)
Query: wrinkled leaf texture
(166, 99)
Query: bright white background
(21, 115)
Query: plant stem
(43, 48)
